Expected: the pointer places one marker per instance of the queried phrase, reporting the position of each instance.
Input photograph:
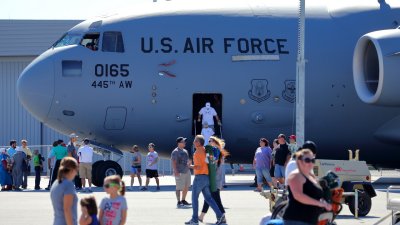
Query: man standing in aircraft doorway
(208, 113)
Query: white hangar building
(21, 41)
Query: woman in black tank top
(305, 194)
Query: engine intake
(376, 67)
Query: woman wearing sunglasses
(305, 194)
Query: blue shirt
(11, 151)
(57, 192)
(263, 157)
(59, 152)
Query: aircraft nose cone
(35, 87)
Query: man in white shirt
(208, 113)
(85, 154)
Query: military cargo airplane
(142, 76)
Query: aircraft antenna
(300, 76)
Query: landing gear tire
(364, 203)
(95, 166)
(279, 210)
(103, 169)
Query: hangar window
(112, 42)
(67, 39)
(91, 41)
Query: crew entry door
(199, 102)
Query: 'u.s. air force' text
(208, 45)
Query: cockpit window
(67, 39)
(91, 41)
(112, 42)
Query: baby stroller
(332, 194)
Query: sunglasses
(309, 160)
(111, 185)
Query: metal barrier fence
(164, 165)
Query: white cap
(73, 135)
(2, 150)
(208, 105)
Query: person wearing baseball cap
(282, 157)
(292, 144)
(72, 152)
(180, 166)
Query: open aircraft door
(199, 101)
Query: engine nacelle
(376, 67)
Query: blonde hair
(67, 165)
(300, 154)
(220, 144)
(117, 180)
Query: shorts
(263, 173)
(272, 171)
(85, 170)
(183, 180)
(136, 169)
(279, 171)
(151, 173)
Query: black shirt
(281, 154)
(297, 211)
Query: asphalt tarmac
(243, 205)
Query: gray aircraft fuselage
(242, 59)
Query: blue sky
(66, 9)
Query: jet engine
(376, 67)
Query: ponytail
(67, 165)
(122, 189)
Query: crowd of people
(285, 165)
(288, 166)
(16, 166)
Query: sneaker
(184, 202)
(47, 189)
(221, 220)
(179, 205)
(191, 222)
(144, 189)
